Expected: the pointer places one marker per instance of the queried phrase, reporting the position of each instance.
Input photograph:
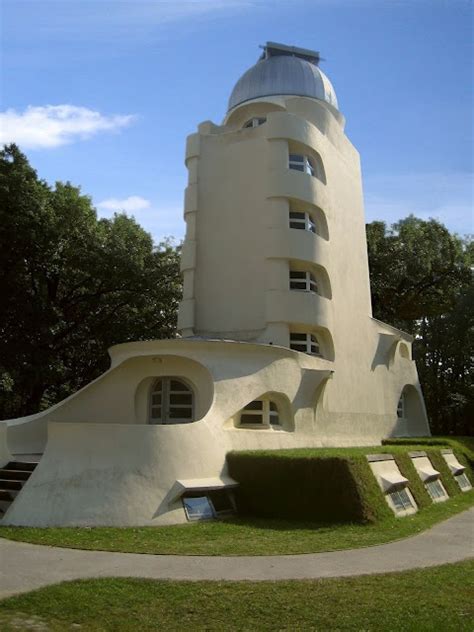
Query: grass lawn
(435, 599)
(240, 536)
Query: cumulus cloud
(130, 204)
(49, 126)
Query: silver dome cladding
(280, 72)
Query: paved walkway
(24, 567)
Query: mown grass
(435, 599)
(242, 536)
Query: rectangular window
(197, 508)
(303, 281)
(463, 481)
(435, 490)
(401, 500)
(306, 343)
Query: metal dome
(284, 70)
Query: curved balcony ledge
(293, 127)
(299, 186)
(192, 147)
(188, 255)
(291, 306)
(301, 245)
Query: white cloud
(130, 204)
(49, 126)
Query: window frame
(306, 222)
(308, 280)
(401, 500)
(166, 394)
(435, 489)
(462, 476)
(306, 162)
(269, 417)
(310, 342)
(207, 494)
(255, 121)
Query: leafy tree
(421, 278)
(71, 286)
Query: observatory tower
(278, 347)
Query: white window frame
(268, 416)
(166, 393)
(401, 500)
(310, 343)
(435, 489)
(303, 221)
(463, 481)
(302, 162)
(256, 121)
(303, 277)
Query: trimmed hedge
(329, 484)
(279, 484)
(464, 445)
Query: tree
(421, 279)
(72, 285)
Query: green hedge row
(328, 485)
(322, 489)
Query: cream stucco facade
(278, 346)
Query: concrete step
(21, 465)
(7, 495)
(16, 475)
(9, 484)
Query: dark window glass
(178, 386)
(251, 419)
(298, 337)
(220, 499)
(255, 405)
(181, 413)
(185, 398)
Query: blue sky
(103, 93)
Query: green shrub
(331, 484)
(322, 489)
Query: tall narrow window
(306, 343)
(303, 281)
(301, 162)
(302, 221)
(401, 407)
(171, 402)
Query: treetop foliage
(71, 285)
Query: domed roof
(284, 70)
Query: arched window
(255, 122)
(306, 343)
(171, 402)
(303, 281)
(261, 413)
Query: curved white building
(278, 348)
